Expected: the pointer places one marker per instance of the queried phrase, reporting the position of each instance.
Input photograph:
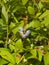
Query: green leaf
(14, 18)
(44, 14)
(45, 0)
(10, 64)
(21, 63)
(34, 24)
(40, 5)
(1, 22)
(1, 41)
(24, 1)
(11, 47)
(4, 53)
(46, 21)
(19, 45)
(34, 53)
(3, 61)
(16, 28)
(18, 57)
(5, 13)
(46, 58)
(28, 56)
(31, 10)
(40, 55)
(12, 25)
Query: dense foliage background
(31, 15)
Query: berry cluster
(21, 31)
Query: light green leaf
(46, 58)
(46, 21)
(44, 14)
(3, 61)
(24, 1)
(19, 45)
(34, 53)
(34, 24)
(1, 41)
(12, 25)
(31, 10)
(18, 57)
(5, 13)
(11, 47)
(40, 5)
(4, 53)
(40, 55)
(10, 64)
(45, 0)
(16, 28)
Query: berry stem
(25, 22)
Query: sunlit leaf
(3, 61)
(4, 53)
(19, 45)
(46, 58)
(34, 53)
(5, 13)
(10, 64)
(44, 14)
(12, 47)
(40, 55)
(24, 1)
(46, 21)
(31, 10)
(33, 24)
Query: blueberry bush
(24, 32)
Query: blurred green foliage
(15, 50)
